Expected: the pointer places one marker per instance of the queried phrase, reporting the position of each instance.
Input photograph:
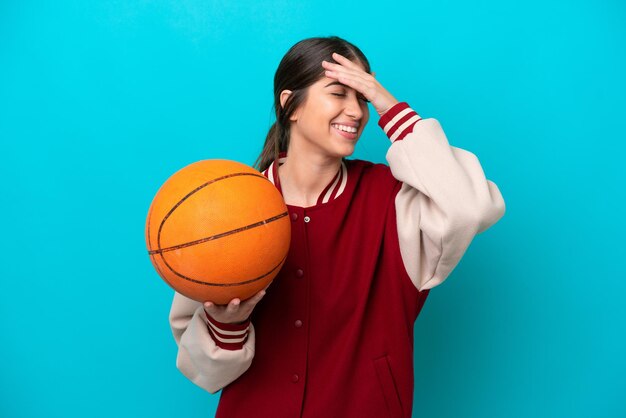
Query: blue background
(100, 102)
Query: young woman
(333, 336)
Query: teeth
(345, 128)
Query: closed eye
(342, 95)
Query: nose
(353, 107)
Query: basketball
(218, 230)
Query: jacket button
(298, 323)
(295, 378)
(307, 219)
(299, 272)
(294, 217)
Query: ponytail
(272, 147)
(277, 139)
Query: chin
(345, 151)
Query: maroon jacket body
(334, 333)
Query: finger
(259, 296)
(345, 61)
(339, 70)
(250, 303)
(339, 67)
(350, 80)
(233, 306)
(211, 309)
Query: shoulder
(370, 171)
(373, 180)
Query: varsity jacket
(333, 336)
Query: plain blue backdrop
(101, 101)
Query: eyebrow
(335, 82)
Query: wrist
(399, 121)
(228, 336)
(228, 325)
(388, 107)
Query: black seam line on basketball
(223, 284)
(197, 189)
(149, 219)
(156, 266)
(217, 236)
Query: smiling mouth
(345, 128)
(348, 135)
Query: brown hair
(300, 67)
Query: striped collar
(332, 191)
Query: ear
(283, 97)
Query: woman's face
(315, 124)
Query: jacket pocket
(388, 387)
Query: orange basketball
(217, 230)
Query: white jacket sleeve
(199, 358)
(445, 199)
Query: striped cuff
(228, 336)
(398, 121)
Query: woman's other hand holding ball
(236, 311)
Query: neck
(305, 175)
